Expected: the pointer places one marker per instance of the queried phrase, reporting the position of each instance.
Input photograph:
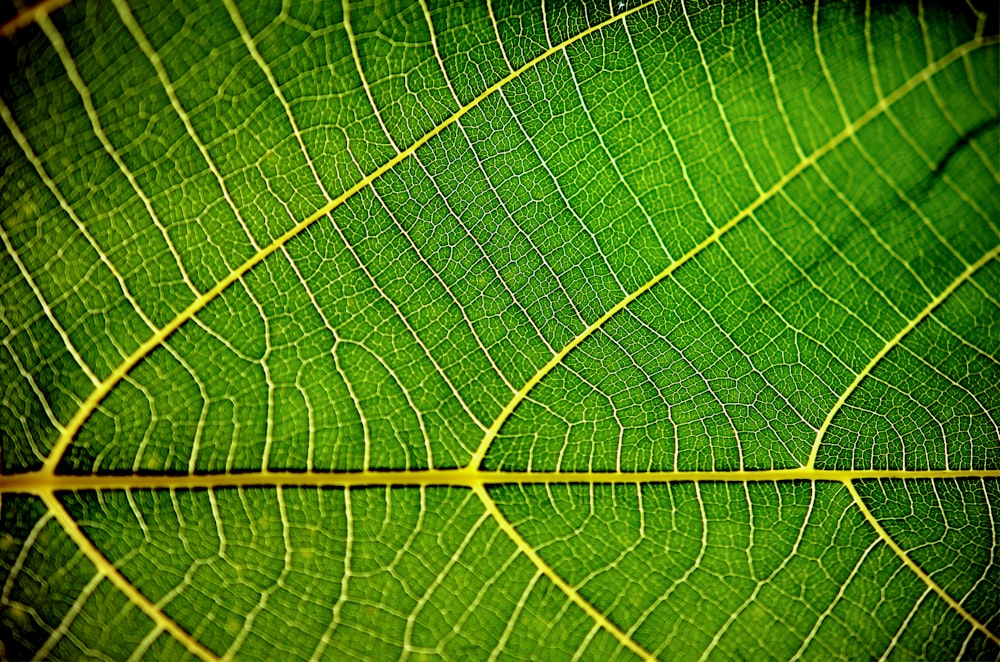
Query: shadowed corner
(984, 10)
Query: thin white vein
(841, 592)
(812, 160)
(545, 25)
(873, 163)
(399, 314)
(713, 393)
(139, 652)
(902, 626)
(125, 13)
(562, 195)
(600, 619)
(994, 529)
(493, 267)
(348, 384)
(893, 342)
(50, 184)
(140, 37)
(68, 617)
(499, 198)
(279, 582)
(761, 583)
(718, 103)
(364, 267)
(808, 218)
(251, 46)
(137, 33)
(773, 81)
(958, 385)
(487, 586)
(496, 33)
(585, 644)
(294, 125)
(411, 619)
(49, 314)
(646, 377)
(616, 562)
(407, 547)
(746, 357)
(352, 40)
(882, 535)
(444, 285)
(159, 336)
(861, 319)
(701, 206)
(154, 59)
(836, 250)
(970, 73)
(345, 582)
(355, 400)
(59, 45)
(611, 158)
(515, 615)
(26, 546)
(666, 129)
(682, 580)
(26, 148)
(333, 350)
(952, 566)
(940, 102)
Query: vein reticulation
(646, 330)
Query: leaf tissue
(558, 330)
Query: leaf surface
(571, 331)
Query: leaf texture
(405, 329)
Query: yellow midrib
(40, 482)
(46, 486)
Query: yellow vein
(157, 339)
(31, 15)
(553, 576)
(895, 340)
(916, 569)
(845, 134)
(107, 569)
(39, 483)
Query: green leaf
(479, 331)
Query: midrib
(39, 482)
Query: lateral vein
(107, 569)
(845, 134)
(525, 548)
(914, 567)
(160, 335)
(893, 342)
